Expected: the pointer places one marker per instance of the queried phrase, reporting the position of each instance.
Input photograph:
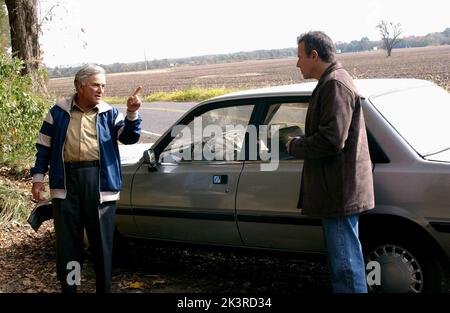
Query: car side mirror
(150, 159)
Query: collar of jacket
(67, 103)
(333, 67)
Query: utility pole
(145, 58)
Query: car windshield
(420, 115)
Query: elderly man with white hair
(78, 145)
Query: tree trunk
(24, 28)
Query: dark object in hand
(41, 212)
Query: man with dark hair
(78, 142)
(320, 42)
(337, 173)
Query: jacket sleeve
(43, 146)
(128, 129)
(337, 104)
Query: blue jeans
(345, 259)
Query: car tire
(405, 266)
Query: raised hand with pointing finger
(134, 102)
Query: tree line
(166, 63)
(432, 39)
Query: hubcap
(400, 270)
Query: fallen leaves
(27, 260)
(136, 285)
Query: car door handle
(220, 179)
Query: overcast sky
(105, 31)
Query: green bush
(21, 115)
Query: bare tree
(390, 34)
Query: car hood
(443, 156)
(130, 154)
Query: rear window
(420, 115)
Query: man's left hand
(288, 144)
(133, 102)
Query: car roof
(368, 88)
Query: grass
(13, 206)
(18, 164)
(15, 200)
(194, 94)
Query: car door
(190, 194)
(266, 202)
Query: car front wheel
(404, 267)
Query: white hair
(85, 72)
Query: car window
(289, 118)
(216, 135)
(420, 115)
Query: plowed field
(430, 63)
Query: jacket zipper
(62, 154)
(99, 160)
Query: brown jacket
(337, 170)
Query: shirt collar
(67, 104)
(75, 106)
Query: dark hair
(319, 41)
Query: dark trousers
(81, 210)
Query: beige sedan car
(221, 176)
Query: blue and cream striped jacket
(111, 128)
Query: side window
(216, 135)
(289, 118)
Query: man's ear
(315, 55)
(78, 86)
